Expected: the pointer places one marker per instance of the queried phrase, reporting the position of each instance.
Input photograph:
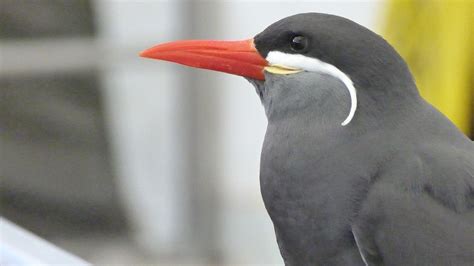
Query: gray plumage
(395, 185)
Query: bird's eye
(298, 43)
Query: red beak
(233, 57)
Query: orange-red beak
(233, 57)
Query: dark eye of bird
(298, 43)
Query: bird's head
(315, 61)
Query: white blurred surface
(19, 247)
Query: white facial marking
(359, 247)
(298, 61)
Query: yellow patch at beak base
(282, 70)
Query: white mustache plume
(298, 61)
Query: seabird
(356, 168)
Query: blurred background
(122, 160)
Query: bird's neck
(326, 104)
(312, 167)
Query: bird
(356, 167)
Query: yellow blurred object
(436, 38)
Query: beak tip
(150, 53)
(144, 53)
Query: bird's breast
(308, 191)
